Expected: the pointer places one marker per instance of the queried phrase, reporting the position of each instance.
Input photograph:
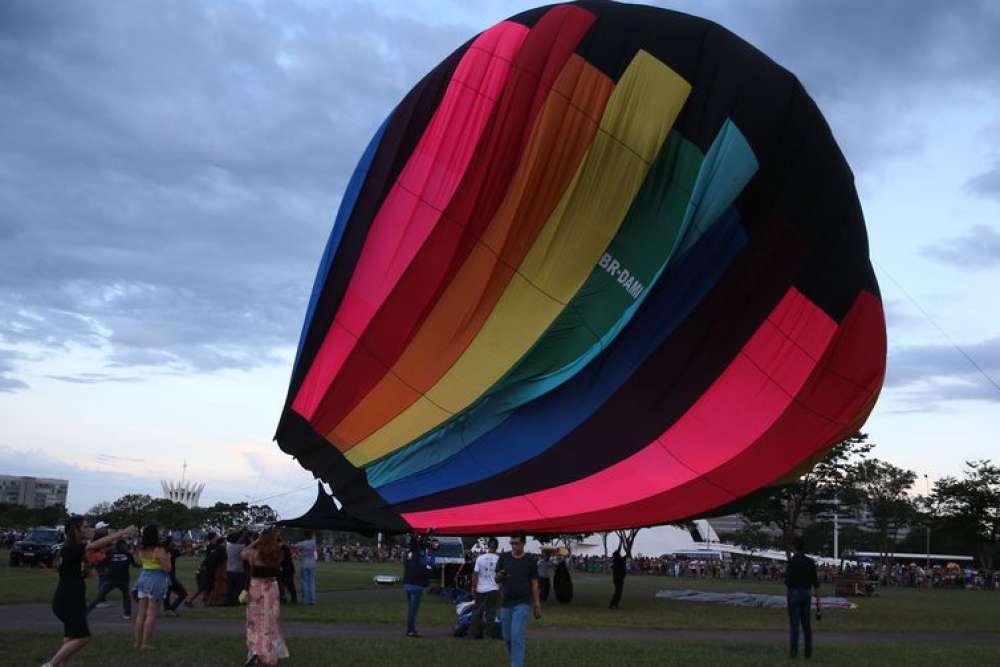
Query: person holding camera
(517, 574)
(418, 563)
(800, 579)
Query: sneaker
(102, 605)
(126, 617)
(171, 612)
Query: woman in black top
(70, 601)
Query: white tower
(184, 492)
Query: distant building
(33, 492)
(184, 492)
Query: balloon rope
(940, 329)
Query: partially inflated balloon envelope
(604, 266)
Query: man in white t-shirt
(484, 586)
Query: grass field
(111, 651)
(896, 610)
(901, 610)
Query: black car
(40, 545)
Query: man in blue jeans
(517, 574)
(417, 567)
(306, 550)
(800, 579)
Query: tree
(129, 510)
(98, 511)
(812, 492)
(751, 537)
(971, 507)
(225, 517)
(883, 489)
(169, 514)
(261, 514)
(626, 538)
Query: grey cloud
(93, 378)
(873, 66)
(170, 170)
(977, 249)
(930, 374)
(9, 384)
(987, 183)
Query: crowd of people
(948, 575)
(256, 569)
(259, 570)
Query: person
(205, 576)
(286, 581)
(517, 574)
(617, 576)
(175, 586)
(69, 603)
(306, 550)
(265, 645)
(800, 579)
(152, 585)
(417, 567)
(98, 560)
(236, 577)
(119, 563)
(545, 569)
(486, 591)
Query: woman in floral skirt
(265, 645)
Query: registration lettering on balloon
(622, 275)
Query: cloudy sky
(169, 173)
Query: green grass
(25, 584)
(20, 585)
(897, 610)
(111, 651)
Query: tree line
(960, 514)
(140, 510)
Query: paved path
(38, 618)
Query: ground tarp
(749, 599)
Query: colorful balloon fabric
(603, 267)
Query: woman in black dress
(70, 601)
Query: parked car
(40, 545)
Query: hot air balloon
(603, 267)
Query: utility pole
(927, 525)
(836, 533)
